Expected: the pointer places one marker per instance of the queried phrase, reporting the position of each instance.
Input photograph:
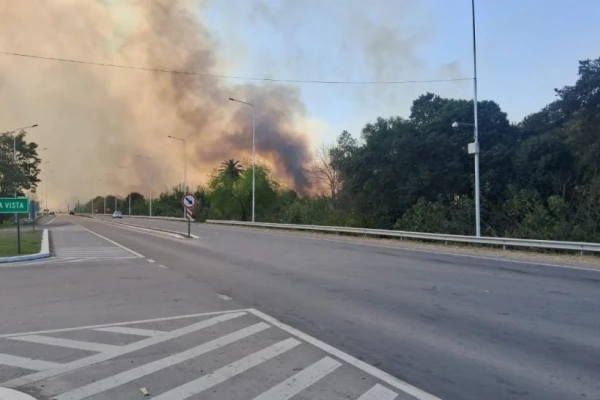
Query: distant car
(117, 214)
(71, 212)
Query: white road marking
(378, 392)
(139, 321)
(300, 381)
(152, 367)
(222, 374)
(72, 344)
(224, 297)
(369, 369)
(101, 357)
(129, 331)
(27, 363)
(112, 241)
(150, 260)
(163, 266)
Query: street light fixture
(253, 151)
(150, 170)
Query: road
(455, 327)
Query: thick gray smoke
(95, 120)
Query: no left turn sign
(189, 201)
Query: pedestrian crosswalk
(229, 355)
(73, 243)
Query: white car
(117, 214)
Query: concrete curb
(9, 394)
(44, 253)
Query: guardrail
(438, 237)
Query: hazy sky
(526, 48)
(95, 120)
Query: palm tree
(231, 168)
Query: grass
(31, 242)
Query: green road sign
(13, 205)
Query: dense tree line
(540, 178)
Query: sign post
(189, 202)
(15, 205)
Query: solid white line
(139, 321)
(222, 374)
(378, 392)
(27, 363)
(155, 366)
(101, 357)
(111, 241)
(129, 331)
(369, 369)
(150, 260)
(303, 379)
(72, 344)
(163, 266)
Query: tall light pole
(150, 170)
(253, 152)
(474, 147)
(184, 165)
(47, 175)
(476, 131)
(120, 166)
(45, 187)
(184, 160)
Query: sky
(95, 120)
(526, 48)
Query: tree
(231, 168)
(232, 198)
(324, 174)
(20, 175)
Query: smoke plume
(97, 120)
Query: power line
(220, 76)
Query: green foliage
(20, 174)
(539, 178)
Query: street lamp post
(476, 131)
(184, 160)
(47, 175)
(16, 192)
(120, 166)
(474, 147)
(253, 152)
(184, 165)
(150, 170)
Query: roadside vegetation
(31, 242)
(540, 178)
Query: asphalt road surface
(237, 314)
